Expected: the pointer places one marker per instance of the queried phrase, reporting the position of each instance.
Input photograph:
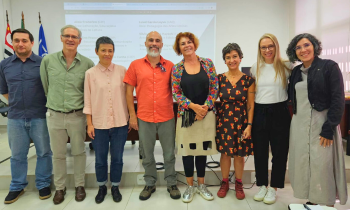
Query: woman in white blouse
(271, 117)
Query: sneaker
(117, 197)
(13, 196)
(147, 192)
(223, 189)
(204, 192)
(270, 197)
(239, 190)
(174, 192)
(261, 194)
(189, 194)
(102, 192)
(45, 193)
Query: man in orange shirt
(151, 77)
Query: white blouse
(269, 91)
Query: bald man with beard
(150, 76)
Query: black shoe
(117, 197)
(45, 193)
(13, 196)
(102, 192)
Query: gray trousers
(147, 135)
(61, 126)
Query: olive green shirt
(64, 88)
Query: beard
(152, 53)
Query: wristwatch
(250, 124)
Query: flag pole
(7, 17)
(39, 18)
(24, 26)
(8, 48)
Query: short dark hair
(291, 47)
(104, 40)
(24, 31)
(229, 48)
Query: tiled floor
(159, 200)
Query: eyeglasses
(161, 67)
(270, 47)
(306, 45)
(70, 36)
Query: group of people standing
(64, 95)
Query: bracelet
(250, 124)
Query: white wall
(243, 22)
(329, 21)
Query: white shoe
(270, 197)
(188, 194)
(261, 194)
(204, 192)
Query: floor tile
(3, 194)
(30, 201)
(284, 198)
(159, 200)
(229, 202)
(108, 203)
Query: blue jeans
(20, 131)
(117, 138)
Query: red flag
(8, 43)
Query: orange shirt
(153, 89)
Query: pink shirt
(104, 96)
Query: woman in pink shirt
(107, 117)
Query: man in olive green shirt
(62, 75)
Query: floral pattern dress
(232, 117)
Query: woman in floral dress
(234, 118)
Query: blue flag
(42, 42)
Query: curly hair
(291, 47)
(229, 48)
(189, 35)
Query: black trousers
(201, 162)
(271, 127)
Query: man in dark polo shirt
(20, 84)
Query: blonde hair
(278, 63)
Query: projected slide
(128, 24)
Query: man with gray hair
(62, 74)
(151, 77)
